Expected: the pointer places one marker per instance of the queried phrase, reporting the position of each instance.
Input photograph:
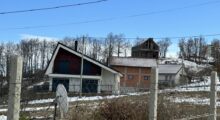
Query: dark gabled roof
(149, 39)
(79, 54)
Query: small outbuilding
(65, 68)
(171, 75)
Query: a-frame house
(65, 68)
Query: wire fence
(185, 102)
(173, 104)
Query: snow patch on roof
(169, 69)
(133, 62)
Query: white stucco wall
(109, 82)
(110, 79)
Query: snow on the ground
(92, 98)
(192, 100)
(38, 108)
(2, 117)
(138, 93)
(31, 109)
(40, 83)
(196, 86)
(3, 110)
(73, 99)
(188, 64)
(193, 87)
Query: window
(146, 77)
(130, 77)
(64, 67)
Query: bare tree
(216, 53)
(120, 44)
(127, 47)
(2, 69)
(96, 49)
(10, 49)
(182, 47)
(189, 49)
(203, 49)
(193, 49)
(108, 47)
(164, 45)
(43, 47)
(69, 41)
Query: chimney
(76, 45)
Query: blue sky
(198, 20)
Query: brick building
(136, 72)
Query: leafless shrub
(136, 108)
(121, 110)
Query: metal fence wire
(184, 102)
(196, 100)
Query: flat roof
(169, 68)
(133, 62)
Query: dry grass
(136, 108)
(131, 108)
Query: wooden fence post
(213, 96)
(153, 94)
(14, 88)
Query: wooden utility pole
(81, 72)
(14, 88)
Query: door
(57, 81)
(89, 86)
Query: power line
(113, 18)
(193, 36)
(159, 38)
(57, 25)
(50, 8)
(175, 9)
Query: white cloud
(29, 36)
